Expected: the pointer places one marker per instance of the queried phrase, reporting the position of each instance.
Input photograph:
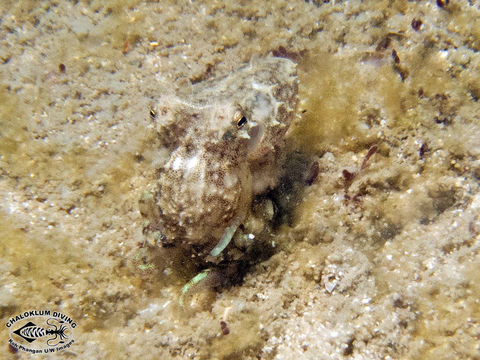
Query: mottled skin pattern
(225, 138)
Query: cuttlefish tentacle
(226, 238)
(195, 280)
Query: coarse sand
(378, 257)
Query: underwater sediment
(376, 252)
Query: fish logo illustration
(31, 332)
(41, 331)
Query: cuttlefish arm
(217, 250)
(225, 239)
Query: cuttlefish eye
(240, 119)
(241, 122)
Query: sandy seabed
(383, 264)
